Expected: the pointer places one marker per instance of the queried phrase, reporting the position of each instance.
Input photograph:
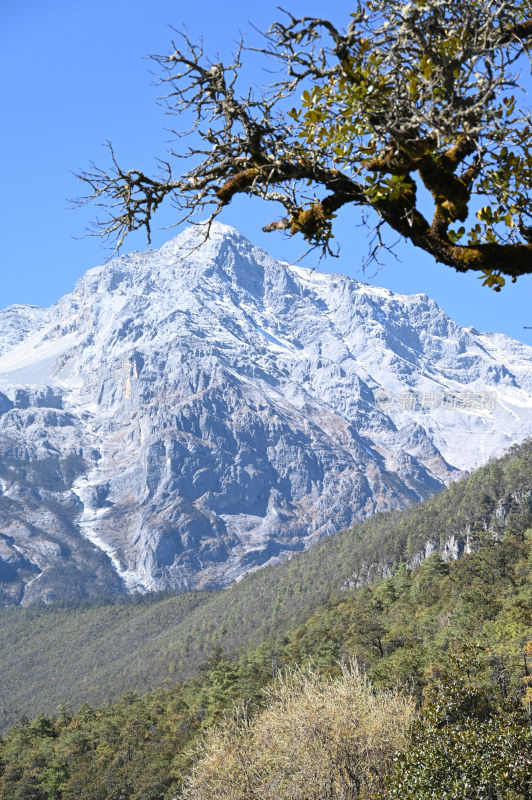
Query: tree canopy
(414, 112)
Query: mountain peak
(225, 410)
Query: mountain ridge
(231, 410)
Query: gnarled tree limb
(421, 93)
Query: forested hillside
(446, 638)
(399, 629)
(93, 652)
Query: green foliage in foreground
(401, 629)
(468, 742)
(338, 739)
(94, 651)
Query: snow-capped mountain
(191, 413)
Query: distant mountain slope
(94, 653)
(231, 410)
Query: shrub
(317, 739)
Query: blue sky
(74, 75)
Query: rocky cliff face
(189, 414)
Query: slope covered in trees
(94, 652)
(449, 636)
